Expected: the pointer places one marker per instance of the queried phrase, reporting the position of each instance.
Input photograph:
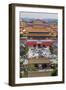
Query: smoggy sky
(38, 15)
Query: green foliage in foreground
(54, 73)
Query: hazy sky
(38, 15)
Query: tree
(51, 49)
(54, 73)
(24, 50)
